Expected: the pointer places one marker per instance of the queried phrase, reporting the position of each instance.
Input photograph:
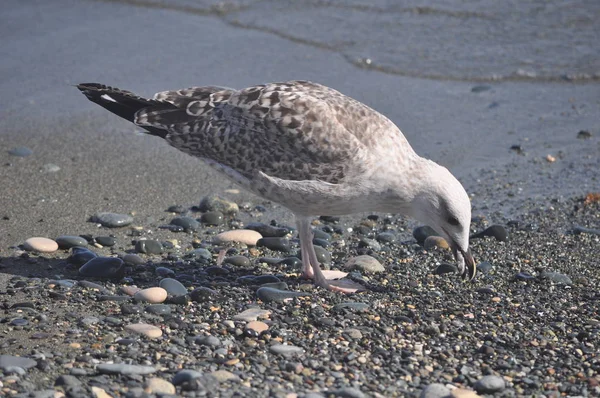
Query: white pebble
(42, 245)
(152, 295)
(246, 236)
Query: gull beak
(466, 263)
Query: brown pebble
(40, 245)
(156, 385)
(246, 236)
(152, 295)
(257, 326)
(145, 329)
(463, 393)
(129, 290)
(435, 241)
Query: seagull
(308, 147)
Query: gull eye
(453, 221)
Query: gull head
(442, 203)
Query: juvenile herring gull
(309, 148)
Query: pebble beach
(128, 269)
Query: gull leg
(311, 267)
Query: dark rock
(212, 218)
(68, 381)
(445, 268)
(352, 306)
(177, 209)
(158, 309)
(103, 267)
(188, 224)
(497, 231)
(584, 135)
(386, 237)
(268, 294)
(164, 272)
(276, 244)
(578, 229)
(215, 203)
(185, 376)
(81, 255)
(112, 220)
(422, 233)
(202, 294)
(68, 241)
(210, 341)
(106, 241)
(524, 276)
(480, 88)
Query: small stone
(200, 254)
(255, 328)
(106, 241)
(212, 218)
(133, 259)
(432, 242)
(578, 229)
(145, 329)
(164, 272)
(584, 135)
(364, 263)
(238, 261)
(210, 341)
(245, 236)
(353, 306)
(286, 350)
(67, 380)
(50, 168)
(148, 246)
(112, 220)
(224, 375)
(173, 287)
(445, 268)
(348, 392)
(81, 255)
(203, 293)
(268, 294)
(20, 151)
(129, 290)
(252, 314)
(484, 267)
(323, 256)
(155, 385)
(66, 242)
(497, 231)
(103, 267)
(151, 295)
(216, 203)
(124, 369)
(41, 245)
(556, 277)
(185, 376)
(188, 224)
(9, 361)
(386, 237)
(275, 244)
(178, 209)
(464, 393)
(268, 231)
(490, 384)
(422, 233)
(158, 309)
(478, 89)
(435, 390)
(99, 393)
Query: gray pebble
(386, 237)
(268, 231)
(173, 287)
(8, 361)
(354, 306)
(210, 341)
(148, 246)
(364, 263)
(212, 218)
(348, 392)
(112, 220)
(323, 256)
(158, 309)
(490, 385)
(188, 224)
(582, 230)
(435, 390)
(268, 294)
(484, 267)
(238, 261)
(106, 241)
(201, 253)
(185, 376)
(556, 277)
(216, 203)
(103, 267)
(125, 369)
(67, 241)
(202, 294)
(286, 350)
(20, 151)
(67, 380)
(276, 285)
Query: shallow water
(452, 39)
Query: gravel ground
(528, 324)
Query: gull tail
(125, 104)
